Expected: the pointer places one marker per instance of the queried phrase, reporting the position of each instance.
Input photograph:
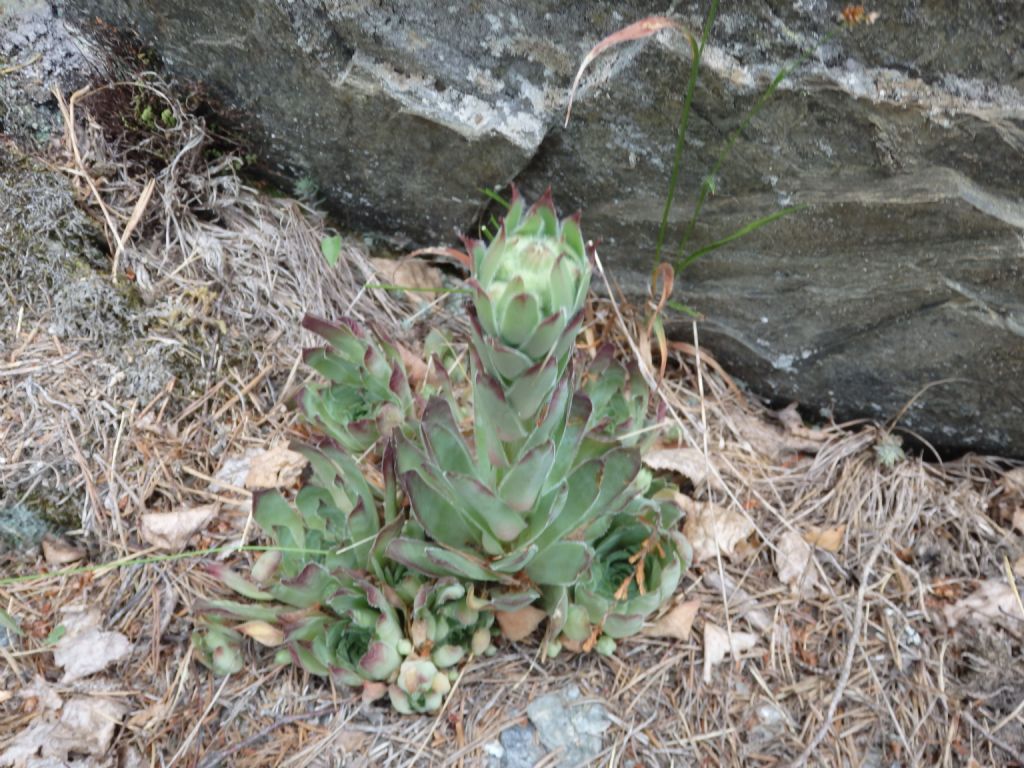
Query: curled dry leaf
(718, 644)
(635, 31)
(57, 551)
(518, 625)
(829, 539)
(794, 562)
(278, 467)
(85, 648)
(677, 623)
(85, 726)
(688, 462)
(712, 529)
(993, 599)
(422, 280)
(172, 530)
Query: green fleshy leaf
(494, 412)
(545, 337)
(241, 611)
(235, 581)
(490, 512)
(421, 556)
(512, 601)
(524, 482)
(560, 564)
(380, 661)
(437, 513)
(276, 516)
(521, 318)
(583, 490)
(304, 657)
(533, 388)
(459, 564)
(447, 448)
(311, 587)
(516, 561)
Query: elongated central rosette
(529, 285)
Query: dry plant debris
(906, 652)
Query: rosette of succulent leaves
(387, 575)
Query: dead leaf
(794, 563)
(993, 599)
(172, 530)
(773, 442)
(154, 713)
(718, 645)
(829, 539)
(712, 529)
(421, 280)
(518, 625)
(793, 423)
(232, 473)
(1013, 480)
(278, 467)
(688, 462)
(262, 632)
(416, 369)
(372, 691)
(85, 648)
(57, 551)
(677, 623)
(85, 726)
(742, 602)
(1018, 567)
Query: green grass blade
(782, 74)
(678, 307)
(495, 197)
(746, 229)
(684, 120)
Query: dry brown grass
(862, 671)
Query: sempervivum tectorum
(367, 393)
(529, 285)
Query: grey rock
(517, 747)
(569, 725)
(21, 528)
(37, 53)
(904, 140)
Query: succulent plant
(620, 399)
(636, 569)
(528, 491)
(529, 285)
(420, 687)
(218, 647)
(446, 625)
(367, 394)
(516, 523)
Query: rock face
(904, 140)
